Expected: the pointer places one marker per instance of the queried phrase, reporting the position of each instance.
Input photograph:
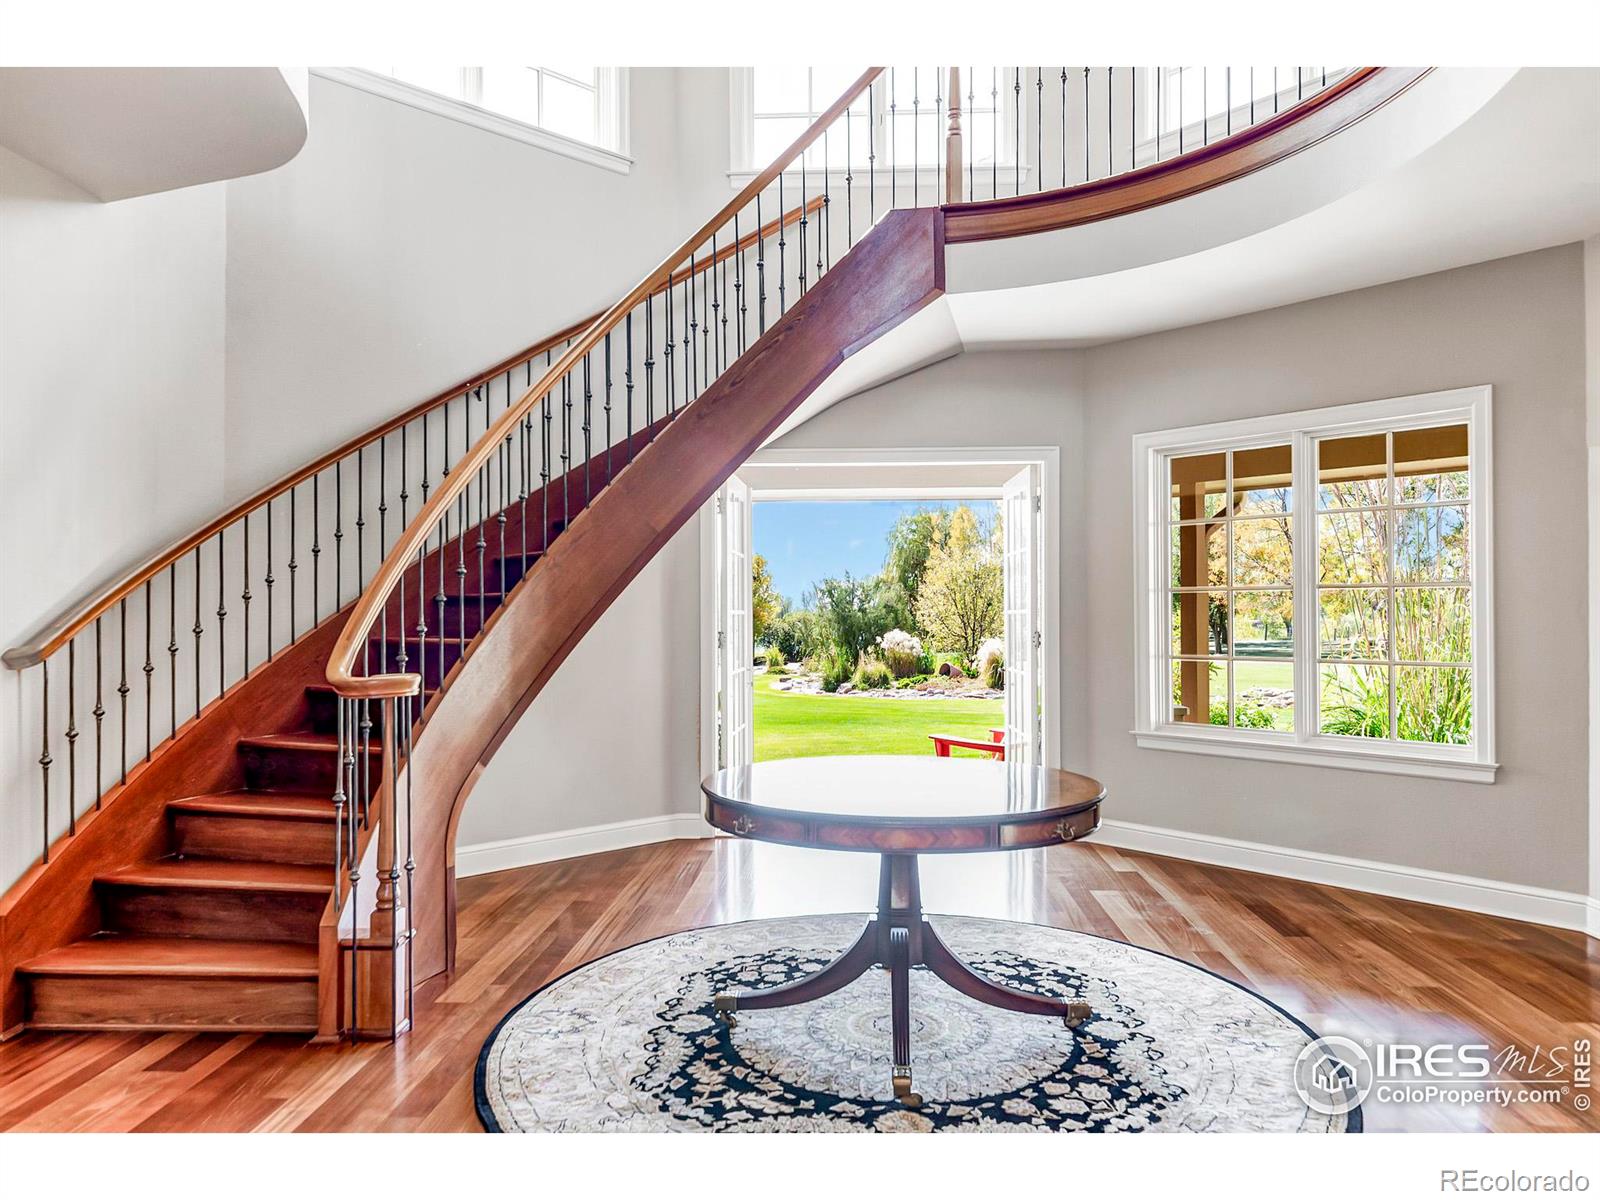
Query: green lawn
(799, 726)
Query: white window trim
(1048, 461)
(613, 94)
(741, 150)
(1153, 730)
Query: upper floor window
(578, 111)
(901, 124)
(1190, 106)
(1315, 586)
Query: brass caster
(725, 1006)
(903, 1093)
(1077, 1013)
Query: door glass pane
(1431, 464)
(1434, 704)
(1353, 623)
(1199, 623)
(1355, 701)
(1352, 472)
(1199, 556)
(1198, 485)
(1433, 624)
(1263, 694)
(1353, 547)
(1431, 543)
(1263, 624)
(1200, 692)
(1262, 553)
(1262, 480)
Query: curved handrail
(82, 614)
(352, 641)
(1342, 104)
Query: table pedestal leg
(899, 938)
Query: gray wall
(1515, 323)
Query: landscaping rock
(845, 689)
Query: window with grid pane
(1319, 586)
(565, 100)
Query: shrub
(872, 674)
(836, 669)
(775, 660)
(902, 653)
(794, 633)
(991, 664)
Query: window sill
(1425, 766)
(478, 118)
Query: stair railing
(641, 365)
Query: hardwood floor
(1345, 962)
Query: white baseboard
(505, 855)
(1564, 910)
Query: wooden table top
(891, 804)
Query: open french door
(735, 637)
(1020, 530)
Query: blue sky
(807, 540)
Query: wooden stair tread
(221, 874)
(177, 956)
(299, 740)
(295, 806)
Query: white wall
(402, 251)
(1516, 324)
(1591, 310)
(111, 422)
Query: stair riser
(145, 1002)
(457, 584)
(324, 711)
(282, 769)
(202, 912)
(250, 839)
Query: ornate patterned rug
(630, 1042)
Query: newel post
(952, 142)
(383, 1008)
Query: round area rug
(630, 1042)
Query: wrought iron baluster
(872, 172)
(608, 405)
(197, 630)
(293, 566)
(1016, 130)
(316, 548)
(1038, 128)
(627, 381)
(338, 535)
(1063, 130)
(44, 758)
(1086, 168)
(783, 241)
(244, 597)
(588, 401)
(691, 326)
(761, 272)
(149, 678)
(1110, 122)
(269, 580)
(802, 225)
(222, 613)
(172, 642)
(122, 683)
(99, 712)
(916, 128)
(72, 736)
(481, 543)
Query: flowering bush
(902, 652)
(991, 660)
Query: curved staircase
(283, 858)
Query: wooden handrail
(1351, 99)
(102, 600)
(375, 596)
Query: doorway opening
(888, 603)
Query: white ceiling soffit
(922, 339)
(119, 132)
(1520, 173)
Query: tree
(765, 603)
(851, 615)
(961, 597)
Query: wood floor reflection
(1345, 962)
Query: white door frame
(1048, 556)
